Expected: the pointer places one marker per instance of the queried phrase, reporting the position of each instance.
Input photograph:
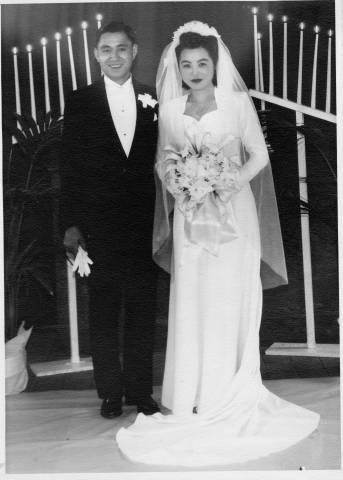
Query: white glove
(82, 262)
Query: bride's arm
(253, 142)
(160, 165)
(166, 155)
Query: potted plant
(27, 186)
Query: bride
(217, 231)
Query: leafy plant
(314, 136)
(27, 187)
(276, 126)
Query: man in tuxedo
(107, 205)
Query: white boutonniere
(146, 100)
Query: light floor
(58, 431)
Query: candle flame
(68, 31)
(58, 36)
(270, 17)
(330, 32)
(15, 50)
(316, 29)
(84, 25)
(99, 17)
(43, 40)
(254, 10)
(29, 48)
(302, 25)
(284, 18)
(259, 36)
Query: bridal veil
(229, 81)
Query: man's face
(115, 54)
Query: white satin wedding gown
(212, 358)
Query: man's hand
(72, 240)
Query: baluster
(305, 228)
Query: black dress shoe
(147, 405)
(111, 408)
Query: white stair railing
(310, 348)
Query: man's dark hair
(195, 40)
(114, 27)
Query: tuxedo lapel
(141, 115)
(103, 112)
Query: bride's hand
(227, 189)
(224, 193)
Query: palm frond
(28, 185)
(41, 121)
(313, 135)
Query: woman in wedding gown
(213, 242)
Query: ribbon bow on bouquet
(82, 262)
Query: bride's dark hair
(195, 40)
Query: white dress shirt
(122, 102)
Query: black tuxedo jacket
(108, 196)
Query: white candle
(59, 72)
(71, 58)
(32, 85)
(328, 74)
(257, 83)
(300, 64)
(16, 80)
(271, 55)
(314, 71)
(16, 86)
(84, 26)
(44, 41)
(284, 90)
(259, 36)
(99, 18)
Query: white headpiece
(197, 27)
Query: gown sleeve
(164, 204)
(167, 150)
(253, 142)
(165, 146)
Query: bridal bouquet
(195, 172)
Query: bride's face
(196, 68)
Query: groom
(107, 205)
